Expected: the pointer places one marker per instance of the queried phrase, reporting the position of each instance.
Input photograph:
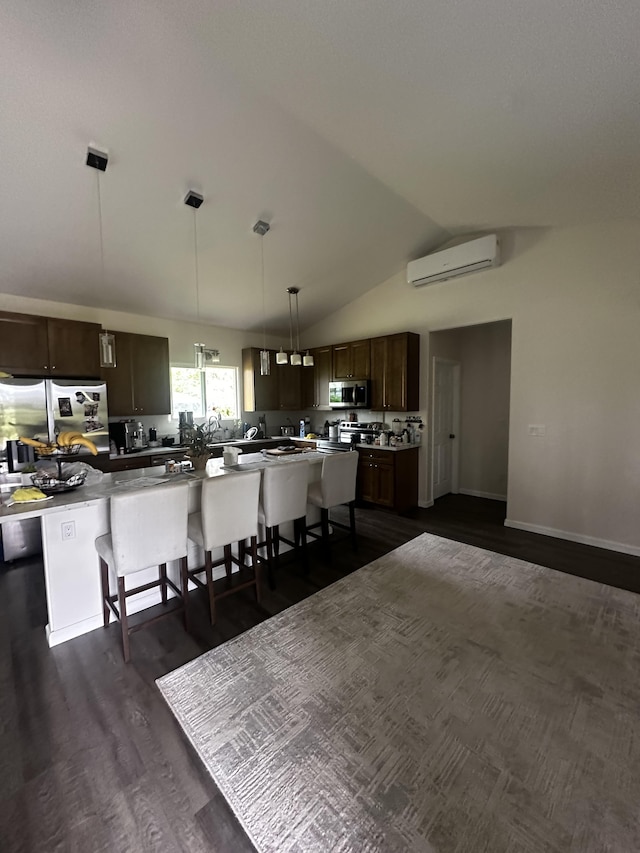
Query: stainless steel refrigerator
(42, 408)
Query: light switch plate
(537, 429)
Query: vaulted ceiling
(365, 131)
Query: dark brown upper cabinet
(352, 360)
(282, 389)
(46, 346)
(395, 373)
(260, 393)
(74, 348)
(289, 384)
(316, 379)
(140, 383)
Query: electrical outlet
(68, 530)
(537, 429)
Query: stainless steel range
(351, 433)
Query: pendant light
(263, 228)
(194, 200)
(282, 357)
(296, 358)
(107, 340)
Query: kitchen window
(203, 392)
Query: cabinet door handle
(44, 367)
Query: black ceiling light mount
(97, 159)
(193, 199)
(261, 227)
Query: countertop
(109, 484)
(394, 449)
(178, 448)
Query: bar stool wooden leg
(324, 526)
(270, 575)
(227, 564)
(124, 622)
(324, 522)
(104, 577)
(184, 585)
(163, 580)
(209, 572)
(352, 524)
(256, 567)
(302, 527)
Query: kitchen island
(71, 522)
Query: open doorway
(446, 426)
(470, 375)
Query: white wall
(574, 297)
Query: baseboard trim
(607, 544)
(489, 495)
(69, 632)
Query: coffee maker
(185, 426)
(128, 436)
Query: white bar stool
(148, 529)
(284, 498)
(229, 513)
(336, 486)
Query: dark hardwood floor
(92, 760)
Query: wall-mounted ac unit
(472, 256)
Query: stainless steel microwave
(349, 394)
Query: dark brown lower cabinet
(389, 478)
(123, 463)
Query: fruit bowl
(54, 485)
(69, 449)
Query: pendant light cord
(297, 326)
(264, 306)
(195, 256)
(290, 325)
(102, 288)
(100, 231)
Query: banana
(46, 450)
(85, 442)
(42, 448)
(28, 494)
(66, 439)
(33, 442)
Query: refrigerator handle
(51, 421)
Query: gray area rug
(442, 698)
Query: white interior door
(446, 402)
